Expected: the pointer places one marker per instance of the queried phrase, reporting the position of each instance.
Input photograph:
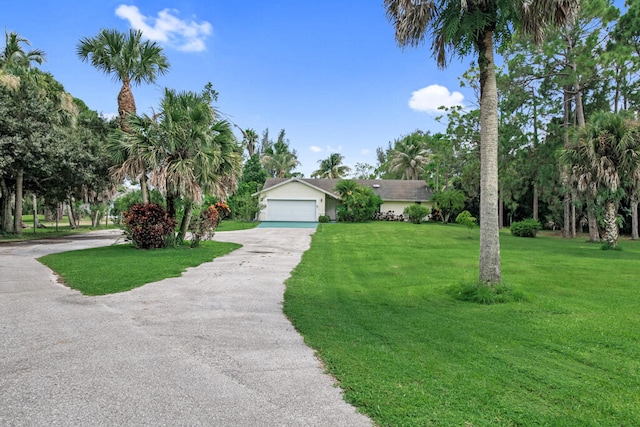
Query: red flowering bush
(204, 226)
(223, 211)
(148, 225)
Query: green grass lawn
(232, 225)
(50, 231)
(374, 300)
(119, 268)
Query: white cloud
(365, 151)
(430, 98)
(316, 149)
(187, 36)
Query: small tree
(449, 202)
(465, 218)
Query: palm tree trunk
(634, 217)
(573, 218)
(594, 232)
(17, 211)
(126, 104)
(490, 268)
(171, 205)
(144, 188)
(611, 223)
(186, 220)
(5, 207)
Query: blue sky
(328, 72)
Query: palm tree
(332, 167)
(129, 60)
(409, 156)
(466, 26)
(131, 151)
(14, 53)
(606, 153)
(278, 159)
(250, 138)
(196, 153)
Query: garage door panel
(291, 210)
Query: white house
(304, 199)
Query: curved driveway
(209, 348)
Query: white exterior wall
(292, 191)
(398, 207)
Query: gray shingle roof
(388, 189)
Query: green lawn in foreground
(372, 299)
(119, 268)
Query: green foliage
(148, 226)
(331, 167)
(406, 353)
(204, 226)
(449, 201)
(416, 213)
(483, 294)
(324, 219)
(278, 159)
(120, 268)
(126, 199)
(465, 218)
(243, 205)
(358, 203)
(526, 228)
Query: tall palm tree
(465, 26)
(195, 154)
(332, 167)
(604, 157)
(129, 60)
(409, 156)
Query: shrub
(204, 226)
(223, 211)
(526, 228)
(148, 226)
(324, 218)
(416, 213)
(465, 218)
(359, 204)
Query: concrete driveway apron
(211, 347)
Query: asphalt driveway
(209, 348)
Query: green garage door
(291, 210)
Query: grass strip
(119, 268)
(375, 301)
